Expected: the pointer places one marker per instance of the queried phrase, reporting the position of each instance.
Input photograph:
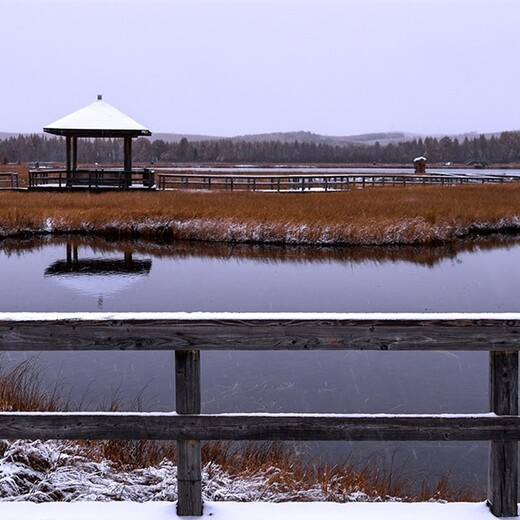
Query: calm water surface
(61, 275)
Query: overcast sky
(238, 67)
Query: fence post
(503, 455)
(187, 399)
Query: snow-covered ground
(247, 511)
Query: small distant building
(419, 163)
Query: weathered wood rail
(8, 180)
(189, 334)
(314, 181)
(92, 179)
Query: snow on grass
(402, 232)
(55, 480)
(51, 471)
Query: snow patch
(249, 511)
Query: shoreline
(413, 232)
(407, 232)
(372, 217)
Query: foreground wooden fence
(314, 181)
(189, 334)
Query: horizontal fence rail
(190, 333)
(315, 181)
(256, 427)
(243, 331)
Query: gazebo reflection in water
(97, 120)
(97, 276)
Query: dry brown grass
(411, 215)
(286, 473)
(21, 389)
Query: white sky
(244, 66)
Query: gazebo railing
(92, 178)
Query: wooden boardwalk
(105, 179)
(189, 334)
(317, 181)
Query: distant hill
(6, 135)
(383, 138)
(300, 136)
(175, 138)
(283, 137)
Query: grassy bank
(375, 216)
(145, 470)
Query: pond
(72, 274)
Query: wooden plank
(188, 401)
(157, 426)
(503, 382)
(502, 478)
(189, 480)
(187, 382)
(503, 455)
(243, 333)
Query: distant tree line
(34, 147)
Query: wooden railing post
(503, 455)
(187, 398)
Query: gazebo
(101, 120)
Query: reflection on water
(114, 267)
(423, 255)
(99, 276)
(75, 274)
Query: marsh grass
(375, 216)
(21, 389)
(276, 468)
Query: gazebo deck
(94, 179)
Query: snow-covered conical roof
(98, 118)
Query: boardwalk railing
(102, 178)
(189, 334)
(314, 181)
(8, 180)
